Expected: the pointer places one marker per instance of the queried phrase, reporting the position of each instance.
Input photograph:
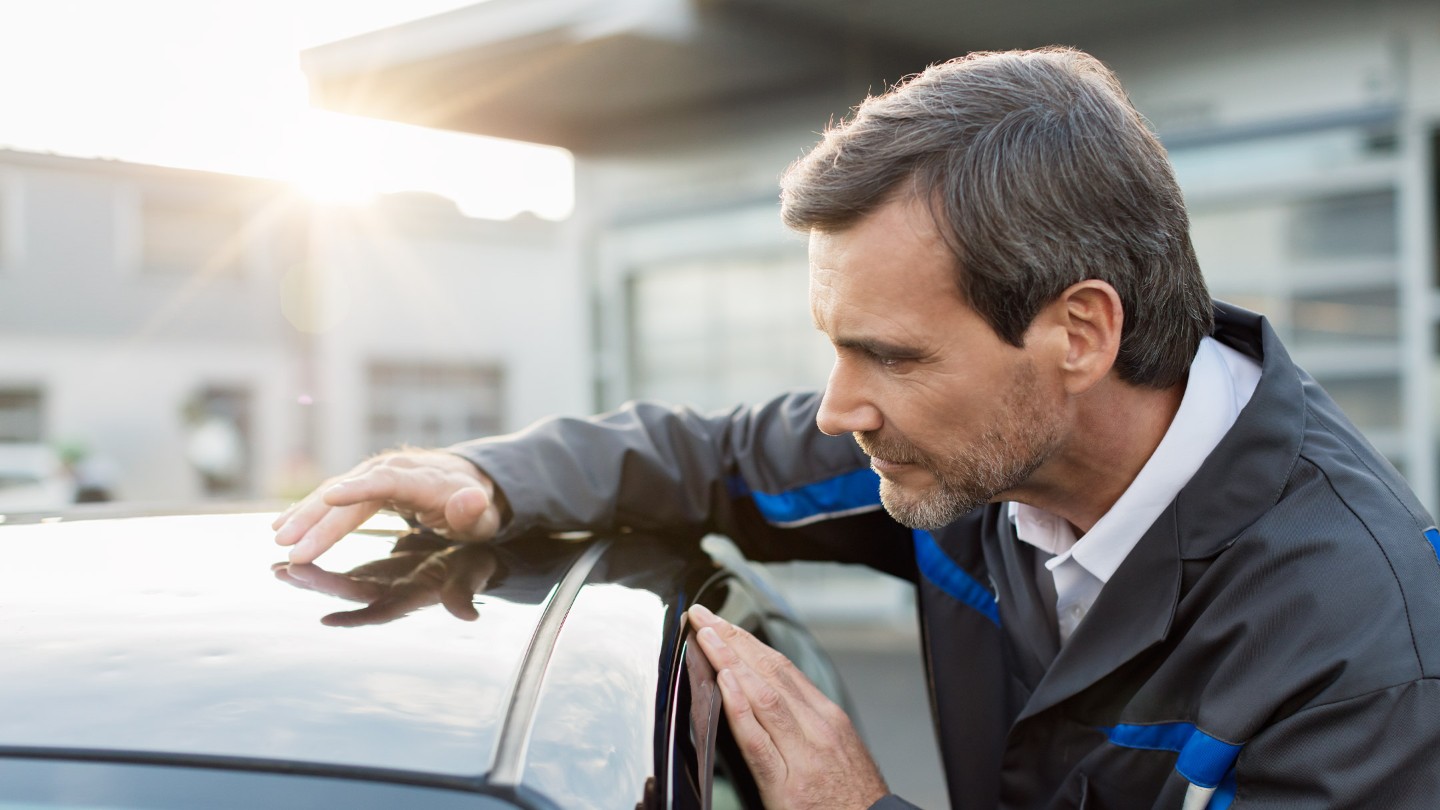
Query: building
(192, 335)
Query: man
(1157, 567)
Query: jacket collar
(1240, 480)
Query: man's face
(951, 415)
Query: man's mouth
(882, 456)
(882, 465)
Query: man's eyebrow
(879, 348)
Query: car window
(714, 775)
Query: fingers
(801, 747)
(441, 490)
(760, 716)
(312, 505)
(294, 524)
(742, 648)
(325, 532)
(755, 742)
(470, 512)
(770, 683)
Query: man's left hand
(802, 748)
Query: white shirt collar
(1221, 381)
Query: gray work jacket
(1273, 640)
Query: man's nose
(844, 407)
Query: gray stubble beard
(1001, 459)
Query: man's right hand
(440, 490)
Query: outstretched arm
(764, 475)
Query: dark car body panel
(92, 785)
(168, 640)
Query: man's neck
(1115, 429)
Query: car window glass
(702, 775)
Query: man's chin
(925, 511)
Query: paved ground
(886, 679)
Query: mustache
(890, 449)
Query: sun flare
(349, 159)
(225, 93)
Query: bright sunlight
(217, 86)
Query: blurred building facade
(1304, 133)
(170, 335)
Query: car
(33, 476)
(176, 661)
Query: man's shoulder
(1343, 567)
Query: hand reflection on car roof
(422, 570)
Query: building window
(711, 333)
(189, 232)
(219, 440)
(432, 404)
(22, 415)
(1316, 248)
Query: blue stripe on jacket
(947, 575)
(851, 492)
(1203, 760)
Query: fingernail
(709, 636)
(702, 613)
(727, 681)
(299, 553)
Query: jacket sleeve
(1374, 750)
(764, 475)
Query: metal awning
(566, 72)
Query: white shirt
(1221, 382)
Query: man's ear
(1090, 316)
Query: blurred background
(244, 245)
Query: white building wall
(118, 352)
(510, 295)
(123, 401)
